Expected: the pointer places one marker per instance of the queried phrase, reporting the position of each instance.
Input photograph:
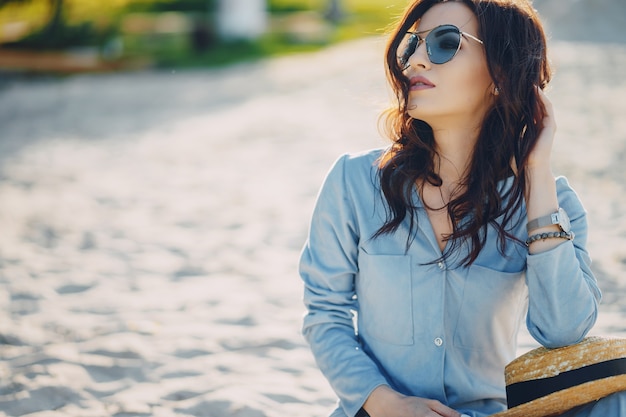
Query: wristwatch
(559, 218)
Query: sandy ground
(151, 225)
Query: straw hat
(547, 382)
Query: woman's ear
(496, 82)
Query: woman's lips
(420, 83)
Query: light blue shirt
(431, 330)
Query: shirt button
(438, 341)
(441, 265)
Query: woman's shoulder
(366, 157)
(356, 170)
(352, 162)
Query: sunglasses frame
(404, 61)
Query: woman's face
(458, 92)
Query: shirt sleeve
(563, 293)
(328, 267)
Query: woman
(424, 258)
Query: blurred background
(159, 160)
(93, 35)
(72, 35)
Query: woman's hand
(539, 157)
(385, 402)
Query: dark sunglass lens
(408, 46)
(443, 43)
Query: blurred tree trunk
(55, 24)
(335, 11)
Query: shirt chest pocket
(384, 295)
(491, 310)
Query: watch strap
(542, 221)
(362, 413)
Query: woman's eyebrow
(423, 31)
(416, 26)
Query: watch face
(564, 221)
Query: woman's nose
(419, 58)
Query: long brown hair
(515, 48)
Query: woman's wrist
(379, 400)
(537, 178)
(541, 197)
(541, 200)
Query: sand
(151, 225)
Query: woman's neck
(455, 148)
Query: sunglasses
(442, 44)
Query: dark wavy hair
(515, 47)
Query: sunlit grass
(75, 11)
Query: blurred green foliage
(294, 26)
(156, 6)
(290, 6)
